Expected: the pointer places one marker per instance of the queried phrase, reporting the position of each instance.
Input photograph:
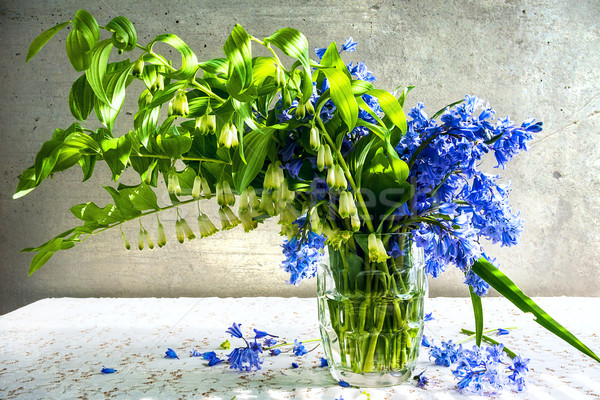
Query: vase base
(372, 379)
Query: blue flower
(170, 353)
(302, 254)
(244, 359)
(268, 342)
(299, 349)
(425, 342)
(105, 370)
(214, 361)
(234, 330)
(274, 352)
(480, 287)
(320, 52)
(446, 354)
(349, 45)
(208, 355)
(324, 362)
(195, 353)
(294, 365)
(422, 380)
(343, 384)
(428, 317)
(502, 332)
(261, 334)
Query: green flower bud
(179, 232)
(221, 201)
(148, 239)
(300, 112)
(328, 158)
(196, 189)
(279, 76)
(253, 198)
(286, 98)
(315, 138)
(355, 222)
(201, 125)
(161, 239)
(145, 99)
(244, 206)
(187, 230)
(248, 223)
(377, 252)
(228, 218)
(286, 195)
(331, 178)
(125, 241)
(228, 136)
(315, 222)
(274, 176)
(343, 205)
(138, 68)
(288, 216)
(147, 175)
(205, 225)
(159, 83)
(321, 158)
(180, 105)
(206, 189)
(141, 239)
(228, 194)
(340, 178)
(309, 108)
(266, 203)
(173, 186)
(211, 122)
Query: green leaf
(163, 96)
(292, 42)
(403, 95)
(87, 164)
(361, 87)
(142, 196)
(42, 39)
(44, 254)
(499, 281)
(216, 67)
(116, 152)
(238, 50)
(256, 145)
(97, 69)
(27, 183)
(86, 24)
(81, 98)
(173, 143)
(332, 59)
(114, 84)
(443, 110)
(189, 62)
(341, 95)
(391, 107)
(478, 313)
(123, 203)
(91, 212)
(145, 123)
(262, 68)
(46, 158)
(124, 36)
(78, 51)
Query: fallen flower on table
(105, 370)
(502, 332)
(195, 353)
(299, 349)
(343, 384)
(428, 317)
(324, 362)
(422, 380)
(170, 353)
(295, 365)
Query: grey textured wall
(527, 58)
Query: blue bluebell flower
(422, 380)
(294, 365)
(320, 52)
(268, 342)
(214, 361)
(261, 334)
(244, 359)
(428, 317)
(274, 352)
(349, 45)
(425, 342)
(324, 362)
(299, 349)
(208, 355)
(195, 353)
(170, 353)
(445, 354)
(343, 384)
(105, 370)
(235, 331)
(302, 254)
(502, 331)
(480, 287)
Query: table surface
(55, 349)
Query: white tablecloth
(55, 349)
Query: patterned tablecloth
(55, 349)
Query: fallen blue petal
(422, 380)
(195, 353)
(425, 342)
(294, 365)
(209, 355)
(274, 352)
(170, 353)
(105, 370)
(428, 317)
(324, 362)
(343, 384)
(502, 332)
(214, 361)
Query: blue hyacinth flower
(324, 362)
(299, 349)
(235, 331)
(195, 353)
(502, 332)
(422, 380)
(170, 353)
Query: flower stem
(489, 340)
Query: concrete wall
(527, 58)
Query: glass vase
(371, 313)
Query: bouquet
(311, 142)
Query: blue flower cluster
(246, 358)
(484, 372)
(303, 253)
(444, 159)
